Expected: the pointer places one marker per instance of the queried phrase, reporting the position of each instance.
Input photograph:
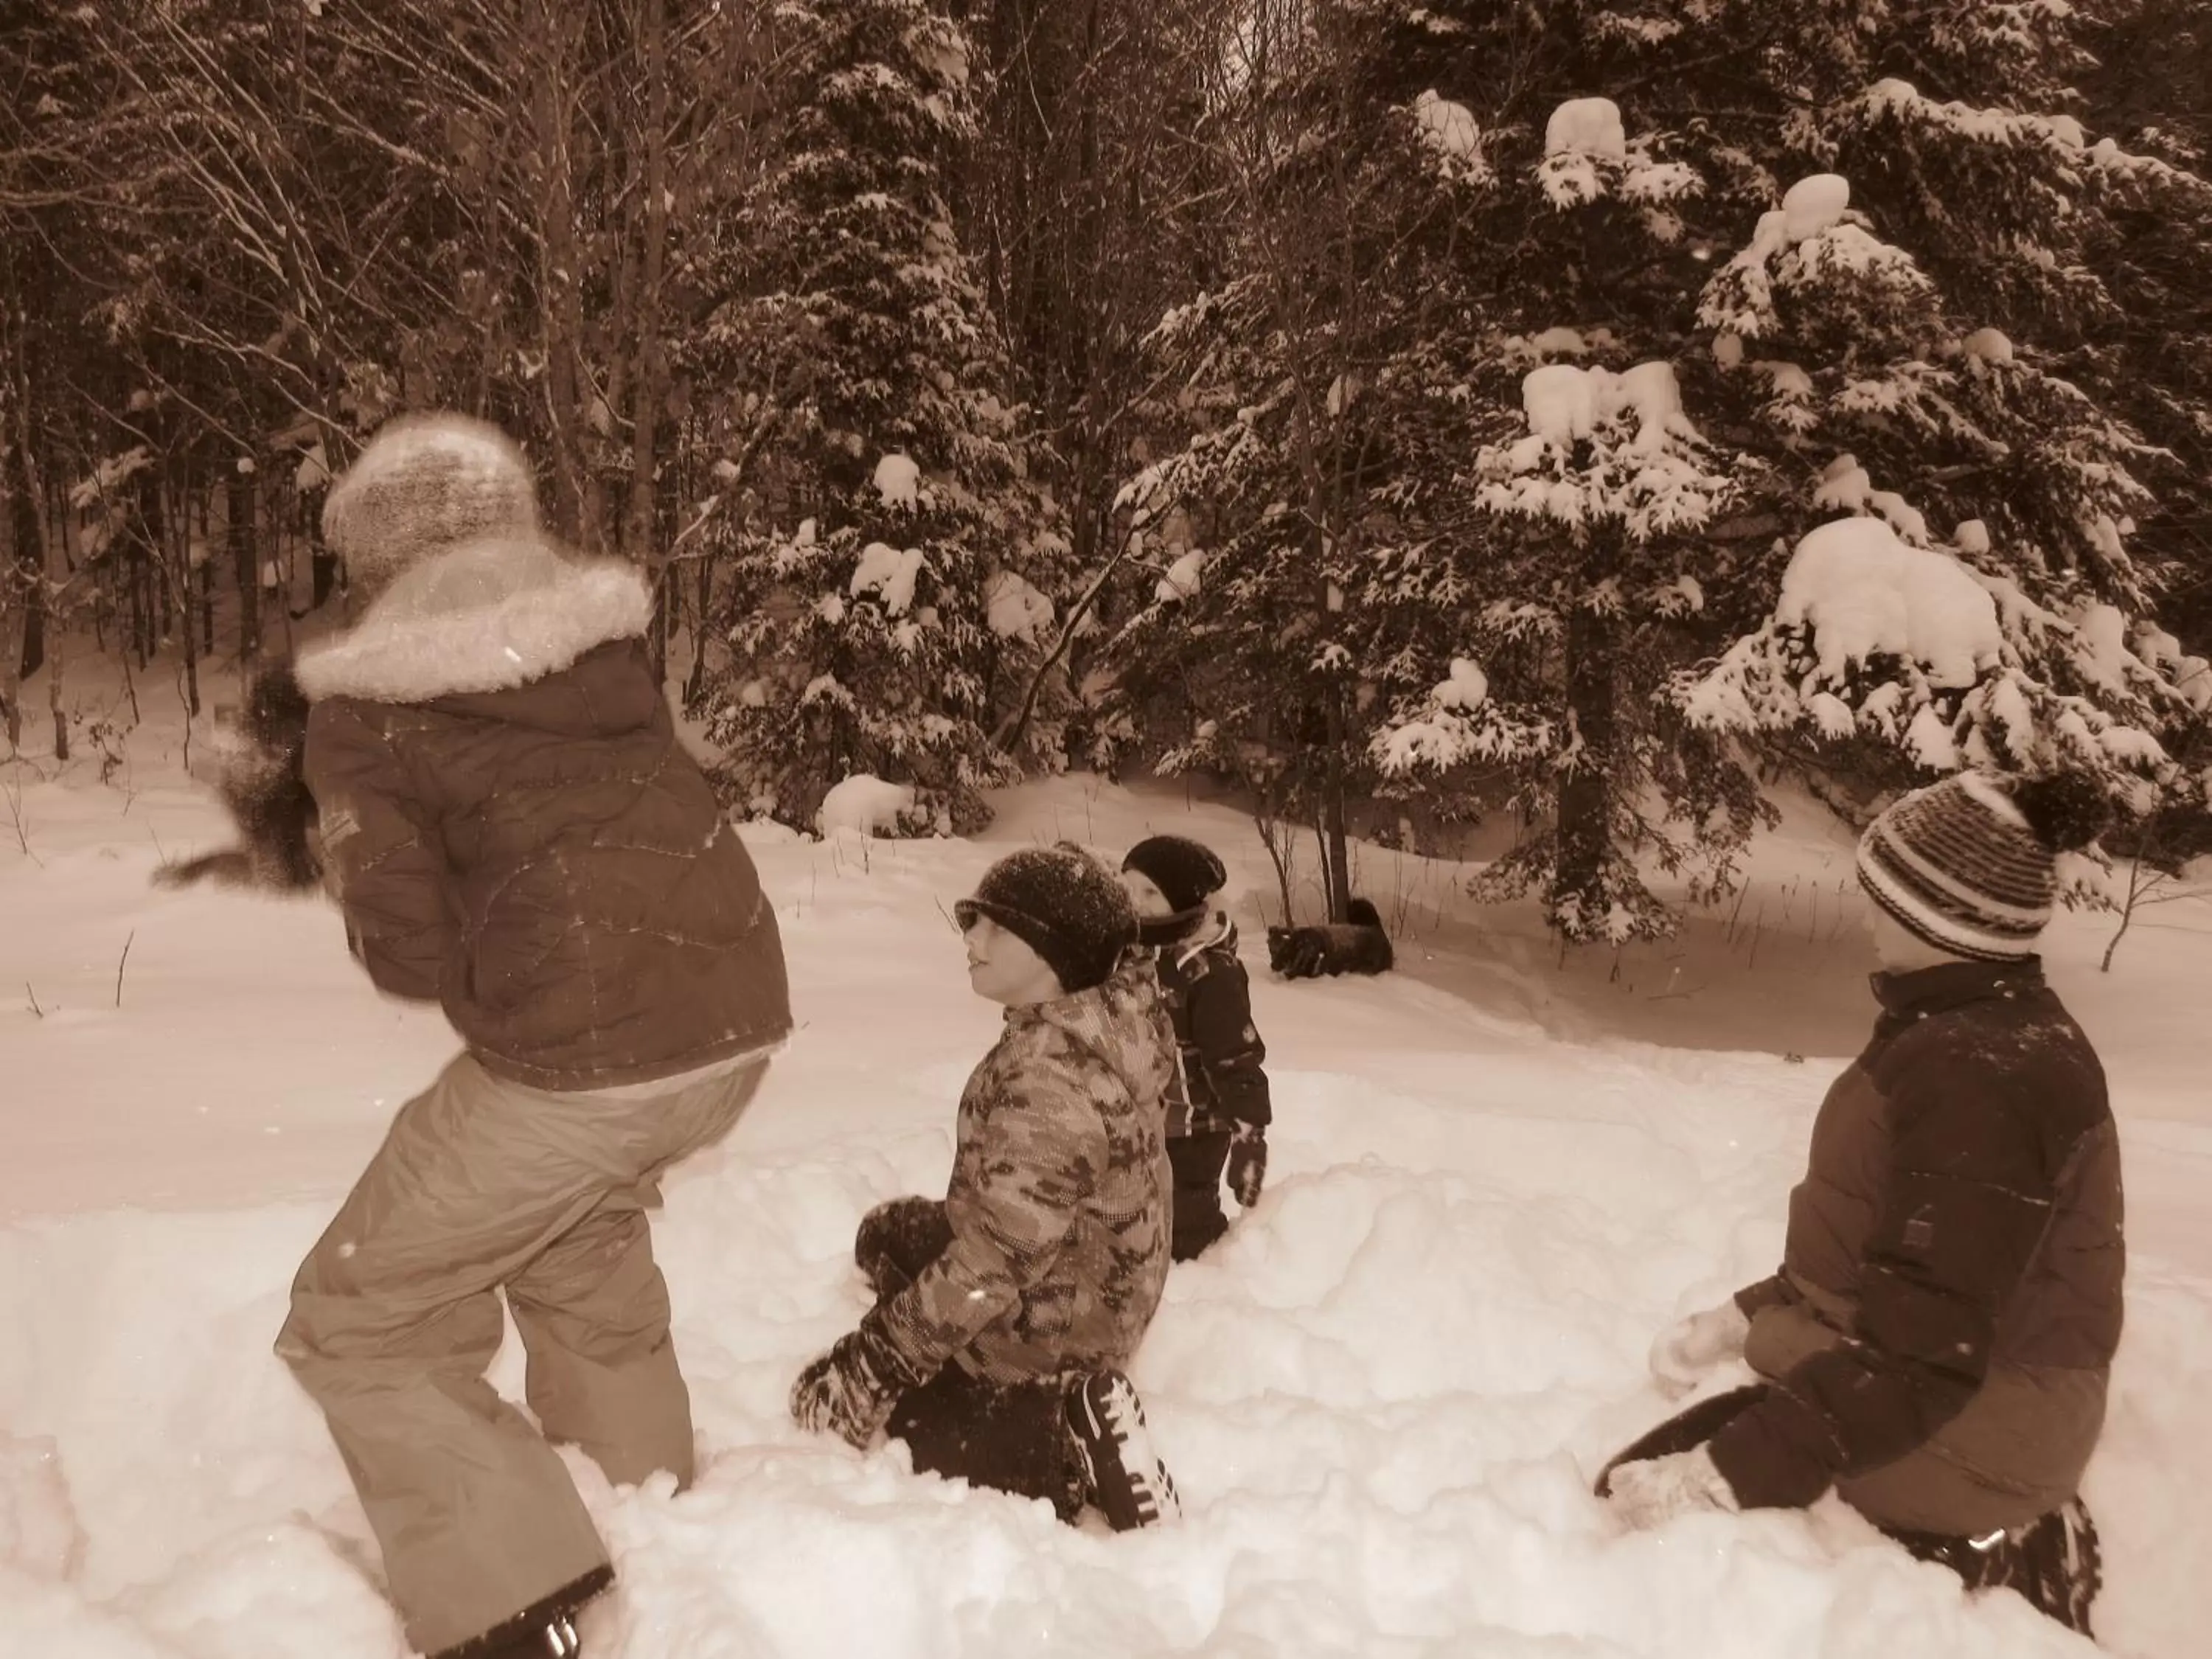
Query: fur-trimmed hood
(485, 616)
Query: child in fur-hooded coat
(514, 832)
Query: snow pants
(1009, 1437)
(1197, 1161)
(484, 1183)
(2053, 1561)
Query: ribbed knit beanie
(1969, 865)
(1062, 902)
(1186, 872)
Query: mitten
(850, 1390)
(1247, 1163)
(1691, 1349)
(1656, 1489)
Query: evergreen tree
(1711, 276)
(883, 589)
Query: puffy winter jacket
(1221, 1078)
(1058, 1203)
(1941, 1332)
(514, 832)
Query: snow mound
(1587, 126)
(898, 481)
(1182, 578)
(888, 572)
(1813, 204)
(1450, 130)
(1468, 687)
(1863, 592)
(865, 806)
(1564, 403)
(1014, 608)
(1989, 345)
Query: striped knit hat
(1970, 865)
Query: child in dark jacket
(1936, 1344)
(1004, 1311)
(513, 833)
(1218, 1108)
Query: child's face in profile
(1144, 894)
(1004, 969)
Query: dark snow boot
(2053, 1561)
(545, 1629)
(1122, 1473)
(1686, 1431)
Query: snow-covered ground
(1493, 1178)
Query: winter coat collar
(485, 616)
(1220, 931)
(1953, 985)
(1119, 1021)
(1181, 936)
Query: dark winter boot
(545, 1629)
(2054, 1562)
(1122, 1473)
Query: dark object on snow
(263, 788)
(2053, 1561)
(1197, 1161)
(1356, 946)
(546, 1627)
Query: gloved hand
(1691, 1349)
(1656, 1489)
(1247, 1163)
(850, 1390)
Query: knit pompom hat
(425, 484)
(1186, 872)
(1970, 865)
(1063, 904)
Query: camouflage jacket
(1058, 1203)
(1221, 1078)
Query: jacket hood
(1124, 1022)
(1215, 931)
(485, 616)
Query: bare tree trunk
(558, 28)
(649, 362)
(31, 505)
(1584, 829)
(177, 569)
(1336, 863)
(242, 532)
